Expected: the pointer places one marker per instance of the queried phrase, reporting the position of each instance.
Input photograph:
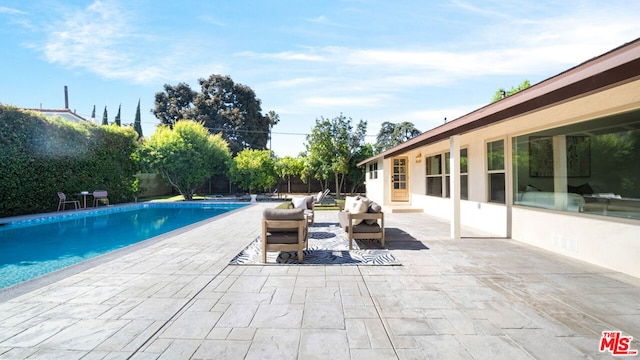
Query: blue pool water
(36, 247)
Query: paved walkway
(474, 298)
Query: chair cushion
(348, 202)
(374, 208)
(309, 202)
(282, 237)
(300, 203)
(359, 206)
(366, 228)
(283, 214)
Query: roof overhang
(63, 113)
(619, 66)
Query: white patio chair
(63, 201)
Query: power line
(253, 131)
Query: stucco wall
(375, 187)
(603, 241)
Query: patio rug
(328, 245)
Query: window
(434, 175)
(373, 171)
(464, 175)
(591, 167)
(495, 170)
(438, 182)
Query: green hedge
(40, 156)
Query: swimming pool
(34, 247)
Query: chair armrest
(283, 224)
(367, 216)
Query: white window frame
(373, 171)
(432, 176)
(502, 171)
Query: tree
(137, 125)
(357, 175)
(391, 135)
(289, 166)
(331, 146)
(93, 113)
(174, 103)
(274, 119)
(186, 155)
(253, 170)
(222, 106)
(105, 119)
(117, 120)
(501, 93)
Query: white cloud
(339, 101)
(311, 55)
(213, 20)
(435, 117)
(320, 19)
(295, 82)
(104, 40)
(6, 10)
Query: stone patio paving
(176, 298)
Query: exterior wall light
(419, 158)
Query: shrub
(186, 155)
(253, 170)
(41, 156)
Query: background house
(63, 113)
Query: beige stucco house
(66, 114)
(556, 166)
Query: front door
(400, 179)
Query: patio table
(84, 195)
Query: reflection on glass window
(438, 182)
(591, 167)
(464, 193)
(495, 169)
(495, 155)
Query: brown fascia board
(616, 67)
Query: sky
(373, 60)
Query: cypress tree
(105, 119)
(137, 126)
(117, 121)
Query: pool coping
(72, 213)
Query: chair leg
(264, 243)
(300, 253)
